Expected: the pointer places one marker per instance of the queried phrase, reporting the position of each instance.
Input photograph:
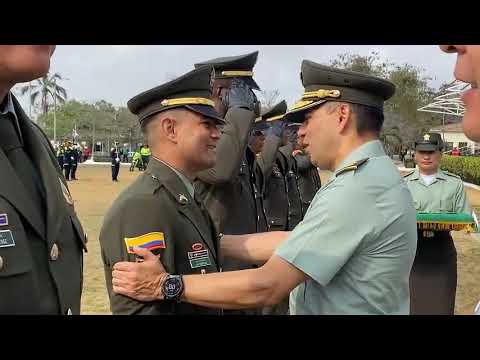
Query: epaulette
(451, 174)
(354, 166)
(410, 173)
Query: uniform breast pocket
(417, 204)
(15, 258)
(447, 204)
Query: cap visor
(298, 115)
(426, 147)
(250, 82)
(206, 111)
(261, 126)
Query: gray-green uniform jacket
(445, 194)
(41, 242)
(357, 241)
(160, 205)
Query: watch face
(172, 287)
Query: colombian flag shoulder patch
(150, 241)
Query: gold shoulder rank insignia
(354, 166)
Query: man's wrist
(159, 288)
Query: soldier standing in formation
(115, 160)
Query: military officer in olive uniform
(353, 251)
(433, 281)
(308, 178)
(41, 239)
(272, 164)
(230, 190)
(159, 211)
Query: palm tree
(43, 88)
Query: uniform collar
(370, 149)
(440, 175)
(156, 170)
(8, 106)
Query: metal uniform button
(1, 263)
(54, 252)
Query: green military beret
(324, 83)
(190, 91)
(233, 66)
(429, 142)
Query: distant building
(454, 137)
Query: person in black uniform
(75, 157)
(68, 158)
(115, 156)
(41, 238)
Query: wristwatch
(172, 287)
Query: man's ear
(169, 127)
(344, 116)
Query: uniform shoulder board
(354, 166)
(410, 173)
(452, 174)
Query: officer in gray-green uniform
(353, 251)
(159, 211)
(433, 281)
(357, 258)
(41, 239)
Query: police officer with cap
(353, 251)
(433, 280)
(159, 211)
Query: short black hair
(369, 118)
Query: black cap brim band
(206, 111)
